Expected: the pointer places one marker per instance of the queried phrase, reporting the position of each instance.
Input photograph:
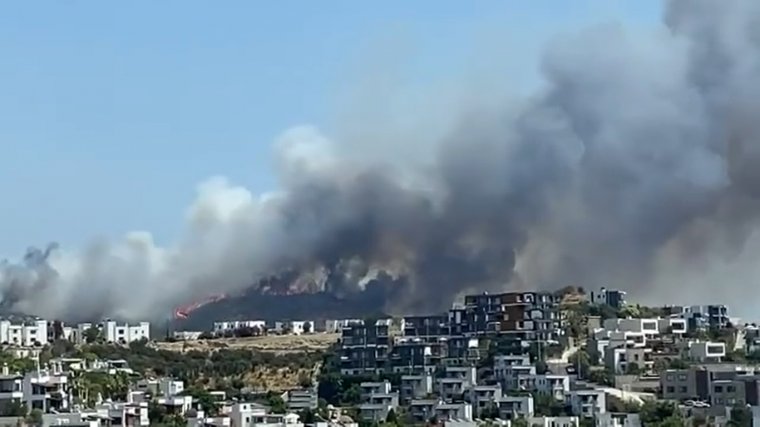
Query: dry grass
(279, 344)
(275, 379)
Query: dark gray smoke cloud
(633, 166)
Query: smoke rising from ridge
(633, 167)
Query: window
(683, 389)
(730, 389)
(719, 389)
(671, 389)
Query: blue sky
(111, 114)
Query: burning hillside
(633, 164)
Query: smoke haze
(632, 166)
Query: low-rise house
(187, 335)
(705, 316)
(370, 388)
(450, 389)
(46, 390)
(611, 297)
(415, 387)
(649, 327)
(469, 374)
(373, 412)
(336, 326)
(124, 413)
(245, 413)
(697, 383)
(423, 410)
(611, 419)
(705, 351)
(453, 411)
(300, 399)
(621, 360)
(233, 325)
(556, 386)
(295, 327)
(587, 403)
(513, 407)
(11, 388)
(200, 419)
(176, 404)
(483, 397)
(554, 421)
(507, 369)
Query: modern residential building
(705, 351)
(232, 325)
(28, 333)
(553, 385)
(112, 332)
(705, 316)
(423, 410)
(513, 407)
(587, 403)
(415, 387)
(611, 297)
(525, 317)
(365, 348)
(699, 381)
(611, 419)
(298, 400)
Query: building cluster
(39, 332)
(62, 400)
(230, 328)
(421, 343)
(437, 358)
(506, 391)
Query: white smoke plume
(634, 166)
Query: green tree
(660, 413)
(307, 416)
(204, 399)
(740, 417)
(391, 418)
(520, 422)
(632, 369)
(35, 418)
(276, 404)
(91, 335)
(547, 405)
(15, 408)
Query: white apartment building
(24, 334)
(295, 327)
(231, 325)
(336, 326)
(113, 332)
